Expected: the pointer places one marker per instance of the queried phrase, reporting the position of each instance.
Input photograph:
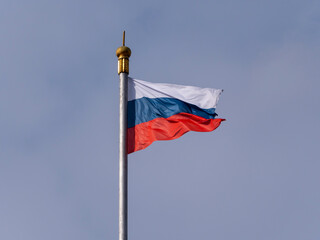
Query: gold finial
(123, 53)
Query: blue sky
(255, 177)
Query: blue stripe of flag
(146, 109)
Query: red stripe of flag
(144, 134)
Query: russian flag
(158, 111)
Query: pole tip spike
(124, 38)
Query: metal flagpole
(123, 53)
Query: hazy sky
(255, 178)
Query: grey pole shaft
(123, 159)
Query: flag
(158, 111)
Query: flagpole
(123, 53)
